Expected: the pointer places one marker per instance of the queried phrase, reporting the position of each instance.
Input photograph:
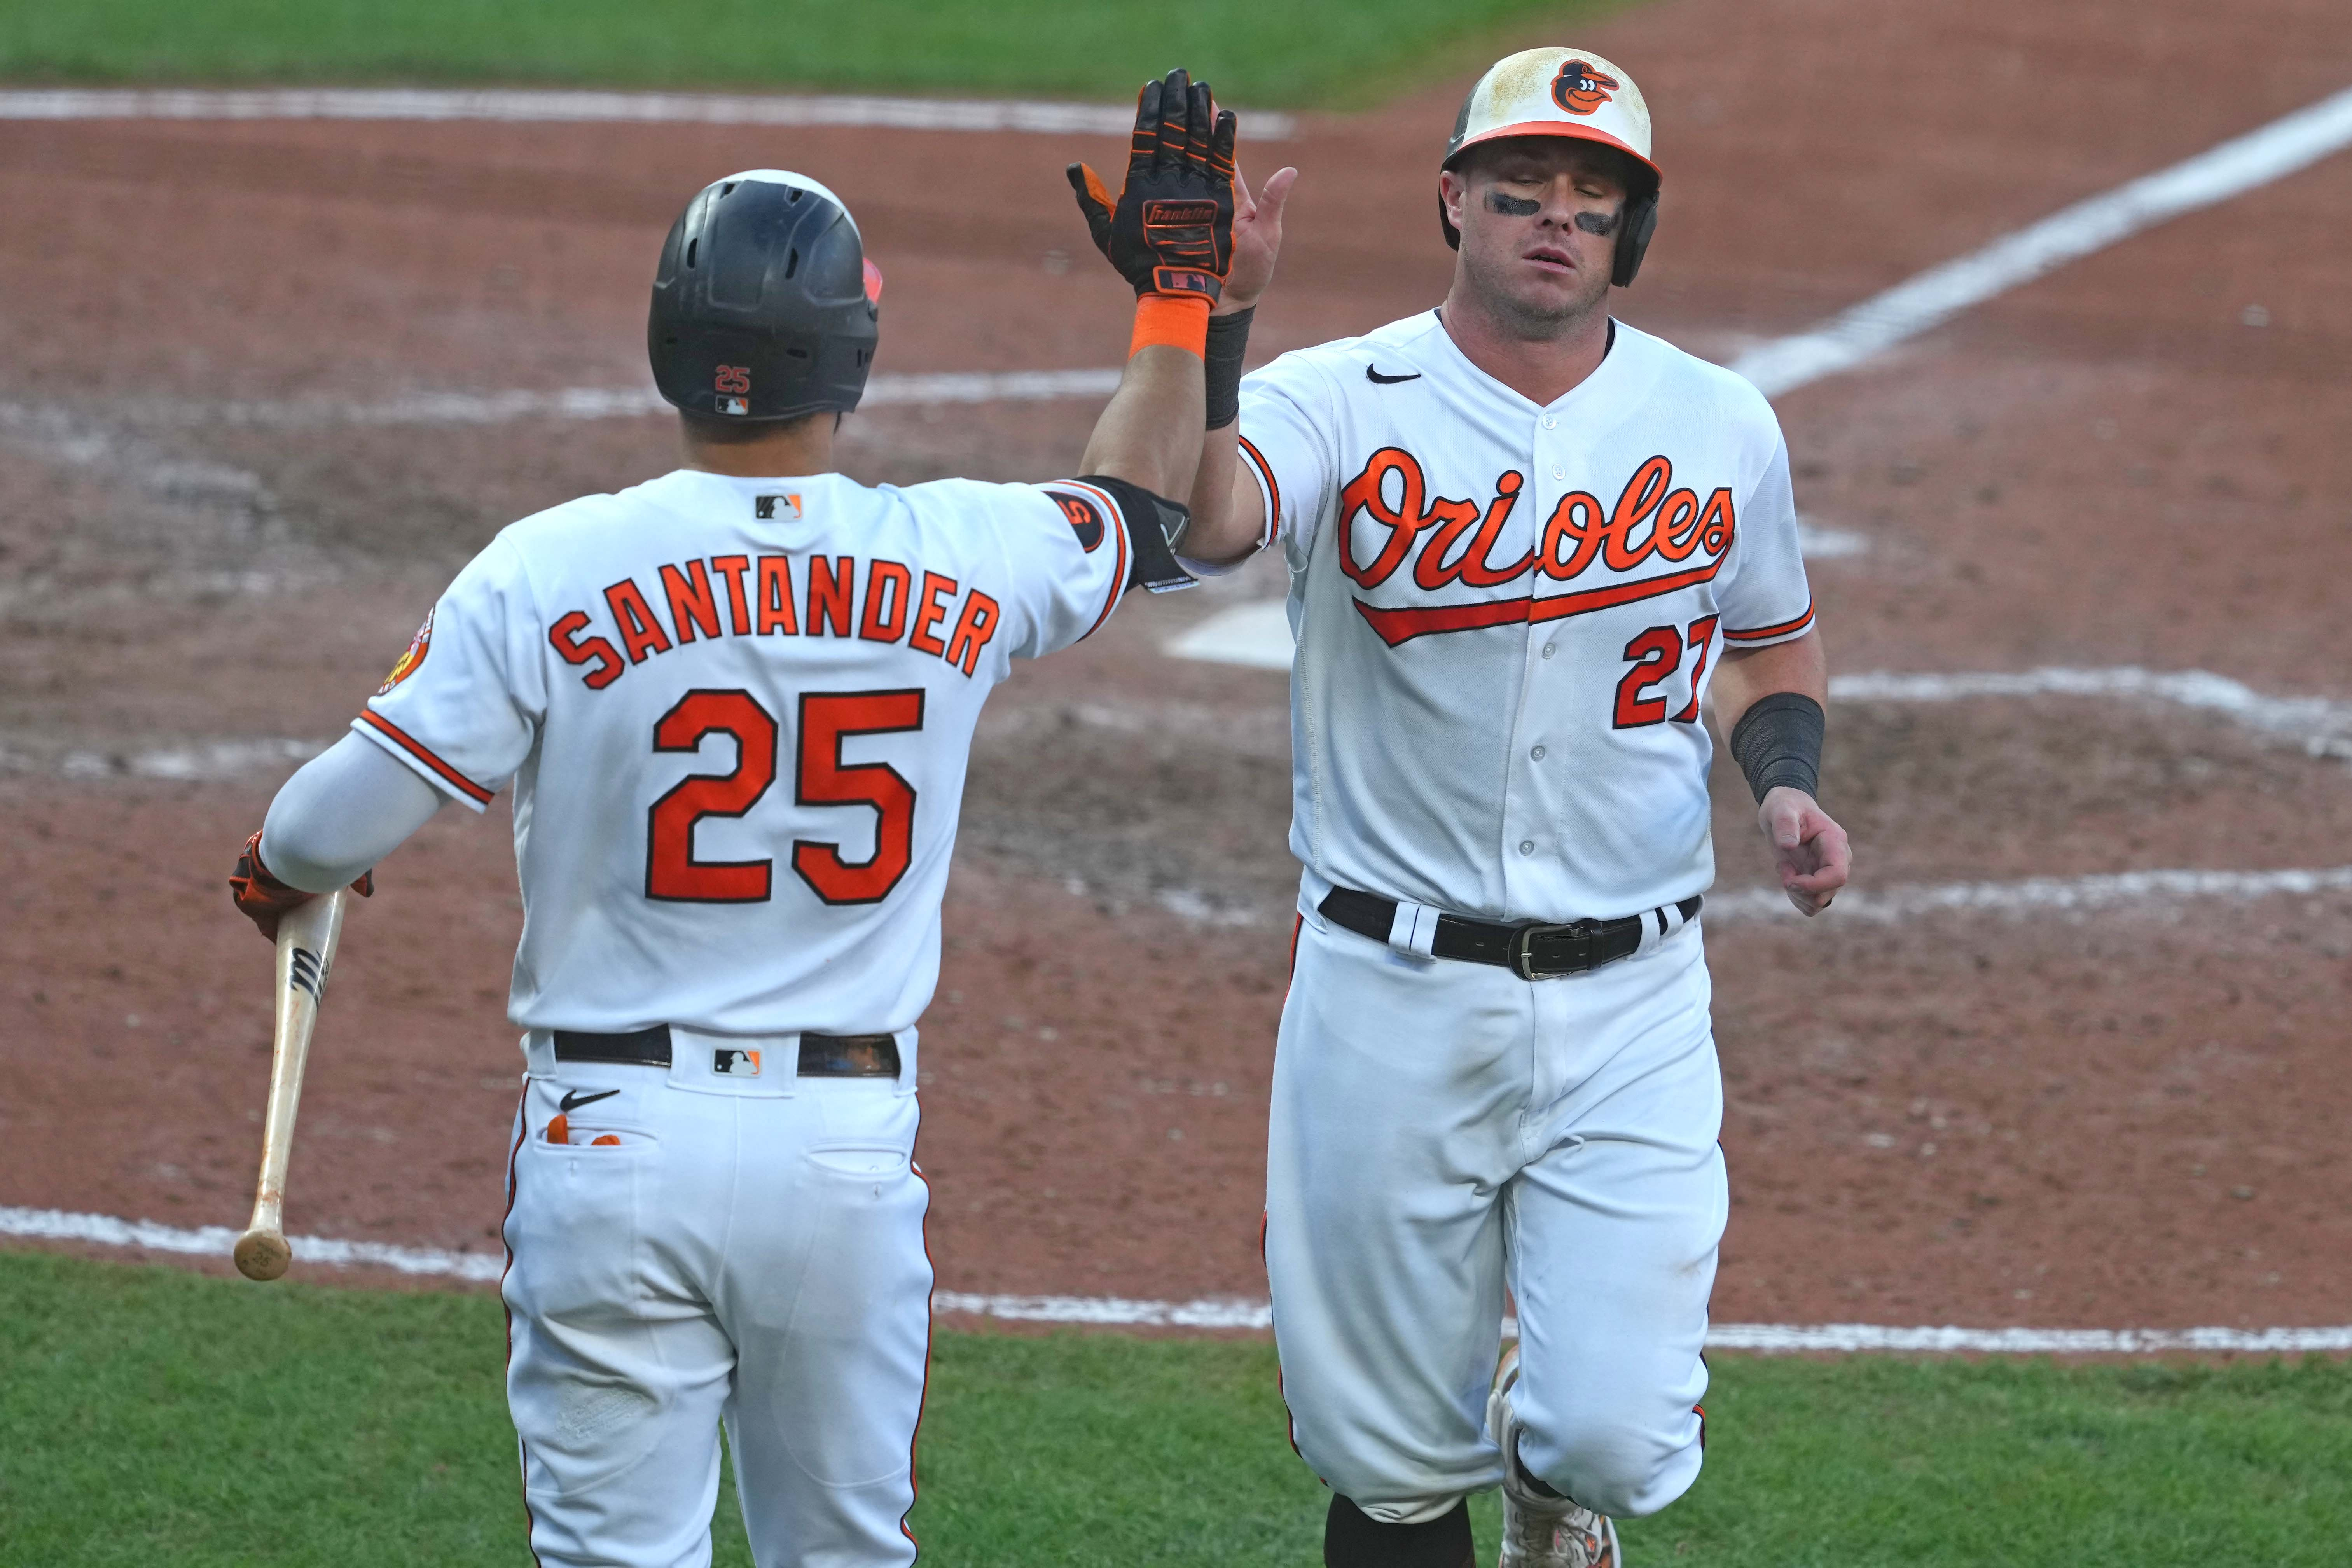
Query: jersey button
(1527, 846)
(1537, 754)
(1548, 649)
(1550, 423)
(1558, 472)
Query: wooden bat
(306, 948)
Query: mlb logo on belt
(735, 1063)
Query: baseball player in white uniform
(735, 704)
(1525, 542)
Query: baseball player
(735, 703)
(1525, 541)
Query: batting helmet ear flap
(1634, 240)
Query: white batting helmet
(1573, 93)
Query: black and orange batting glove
(1171, 230)
(262, 898)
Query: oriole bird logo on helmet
(1580, 88)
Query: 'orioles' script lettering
(1454, 541)
(773, 596)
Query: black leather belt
(1531, 951)
(822, 1056)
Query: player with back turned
(1525, 542)
(736, 704)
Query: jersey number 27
(819, 778)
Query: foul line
(105, 1230)
(2033, 896)
(56, 1225)
(2316, 718)
(1838, 344)
(560, 107)
(1878, 323)
(565, 402)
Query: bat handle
(307, 937)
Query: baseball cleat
(1540, 1531)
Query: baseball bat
(307, 935)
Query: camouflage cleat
(1540, 1531)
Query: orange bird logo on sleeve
(1580, 90)
(418, 647)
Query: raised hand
(1171, 228)
(1258, 239)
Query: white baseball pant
(702, 1250)
(1442, 1130)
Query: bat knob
(262, 1255)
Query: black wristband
(1222, 364)
(1779, 742)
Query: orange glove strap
(1171, 321)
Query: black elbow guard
(1779, 742)
(1155, 525)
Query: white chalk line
(2031, 897)
(105, 1230)
(202, 760)
(1844, 342)
(1257, 635)
(2321, 721)
(1865, 330)
(1215, 1312)
(557, 106)
(580, 403)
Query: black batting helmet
(764, 304)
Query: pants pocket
(577, 1228)
(859, 1163)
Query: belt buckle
(1566, 950)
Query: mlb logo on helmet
(732, 384)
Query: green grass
(152, 1416)
(1296, 52)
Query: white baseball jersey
(1506, 614)
(736, 714)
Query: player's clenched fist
(1171, 228)
(262, 898)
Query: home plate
(1256, 633)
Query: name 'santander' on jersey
(1464, 561)
(736, 714)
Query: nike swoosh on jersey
(574, 1099)
(1379, 380)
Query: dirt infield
(1984, 1118)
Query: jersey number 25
(819, 778)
